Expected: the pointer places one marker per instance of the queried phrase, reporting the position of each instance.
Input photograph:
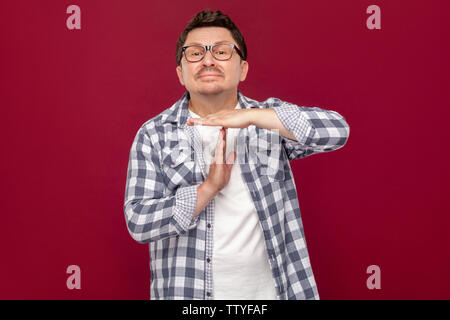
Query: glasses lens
(222, 51)
(194, 53)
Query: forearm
(154, 219)
(268, 119)
(316, 129)
(205, 193)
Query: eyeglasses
(220, 51)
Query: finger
(195, 122)
(224, 130)
(230, 159)
(224, 146)
(210, 121)
(218, 154)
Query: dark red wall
(73, 100)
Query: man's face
(210, 76)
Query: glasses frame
(206, 48)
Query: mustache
(208, 69)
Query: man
(209, 184)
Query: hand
(220, 170)
(241, 118)
(237, 118)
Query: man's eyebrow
(198, 43)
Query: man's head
(216, 70)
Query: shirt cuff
(185, 202)
(294, 121)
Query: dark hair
(209, 18)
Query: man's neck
(204, 105)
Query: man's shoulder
(168, 116)
(157, 126)
(268, 103)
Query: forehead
(208, 36)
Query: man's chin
(210, 90)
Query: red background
(73, 100)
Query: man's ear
(244, 70)
(180, 74)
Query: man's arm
(305, 130)
(242, 118)
(267, 118)
(316, 130)
(149, 213)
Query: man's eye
(221, 52)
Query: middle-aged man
(209, 183)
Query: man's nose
(208, 60)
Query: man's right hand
(220, 169)
(219, 173)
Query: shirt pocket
(270, 160)
(178, 167)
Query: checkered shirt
(165, 168)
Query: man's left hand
(241, 118)
(237, 118)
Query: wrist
(251, 115)
(208, 189)
(260, 117)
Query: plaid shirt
(165, 168)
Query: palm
(226, 118)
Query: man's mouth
(209, 75)
(209, 72)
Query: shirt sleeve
(151, 214)
(317, 130)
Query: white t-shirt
(240, 264)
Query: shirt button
(208, 260)
(209, 225)
(208, 294)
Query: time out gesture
(220, 168)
